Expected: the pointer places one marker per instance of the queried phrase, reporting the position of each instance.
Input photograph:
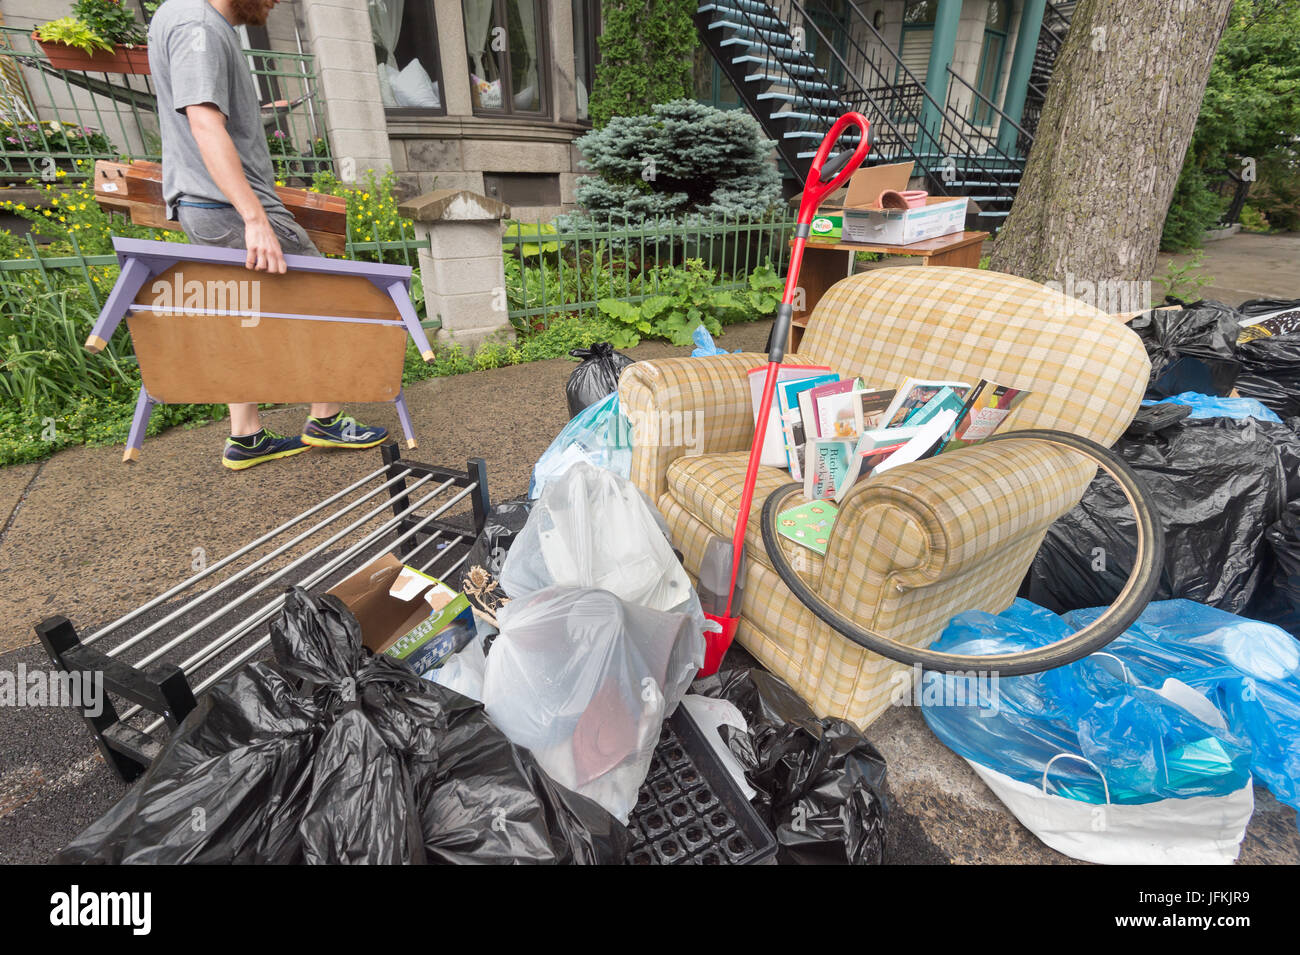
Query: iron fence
(558, 269)
(51, 117)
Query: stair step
(793, 68)
(743, 16)
(808, 117)
(751, 6)
(796, 98)
(819, 135)
(783, 54)
(781, 39)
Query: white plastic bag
(585, 680)
(592, 528)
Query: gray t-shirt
(195, 58)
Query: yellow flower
(59, 173)
(54, 201)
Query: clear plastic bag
(599, 435)
(592, 528)
(584, 681)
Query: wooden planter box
(123, 59)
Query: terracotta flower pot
(123, 59)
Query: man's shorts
(224, 227)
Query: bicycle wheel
(1126, 608)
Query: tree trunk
(1119, 115)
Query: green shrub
(1194, 209)
(1252, 220)
(646, 51)
(681, 158)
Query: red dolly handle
(823, 179)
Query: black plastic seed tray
(689, 811)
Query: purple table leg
(133, 275)
(397, 292)
(143, 408)
(405, 417)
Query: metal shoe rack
(181, 647)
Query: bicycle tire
(1128, 605)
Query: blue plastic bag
(1249, 670)
(1120, 710)
(599, 434)
(704, 347)
(1209, 406)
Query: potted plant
(101, 36)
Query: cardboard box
(865, 221)
(411, 617)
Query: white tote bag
(1199, 830)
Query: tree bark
(1120, 112)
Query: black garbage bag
(1280, 603)
(1269, 352)
(595, 377)
(375, 765)
(1218, 485)
(821, 784)
(1191, 348)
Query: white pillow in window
(524, 98)
(412, 88)
(489, 94)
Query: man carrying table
(219, 182)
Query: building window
(990, 69)
(917, 38)
(586, 23)
(506, 44)
(405, 35)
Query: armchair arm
(934, 520)
(680, 406)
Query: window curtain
(526, 93)
(478, 21)
(386, 26)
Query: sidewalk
(1246, 266)
(91, 538)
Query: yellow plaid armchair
(922, 542)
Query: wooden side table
(825, 262)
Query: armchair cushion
(686, 406)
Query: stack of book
(832, 432)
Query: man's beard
(251, 13)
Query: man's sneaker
(344, 431)
(265, 446)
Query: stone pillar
(1022, 65)
(463, 270)
(946, 21)
(338, 33)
